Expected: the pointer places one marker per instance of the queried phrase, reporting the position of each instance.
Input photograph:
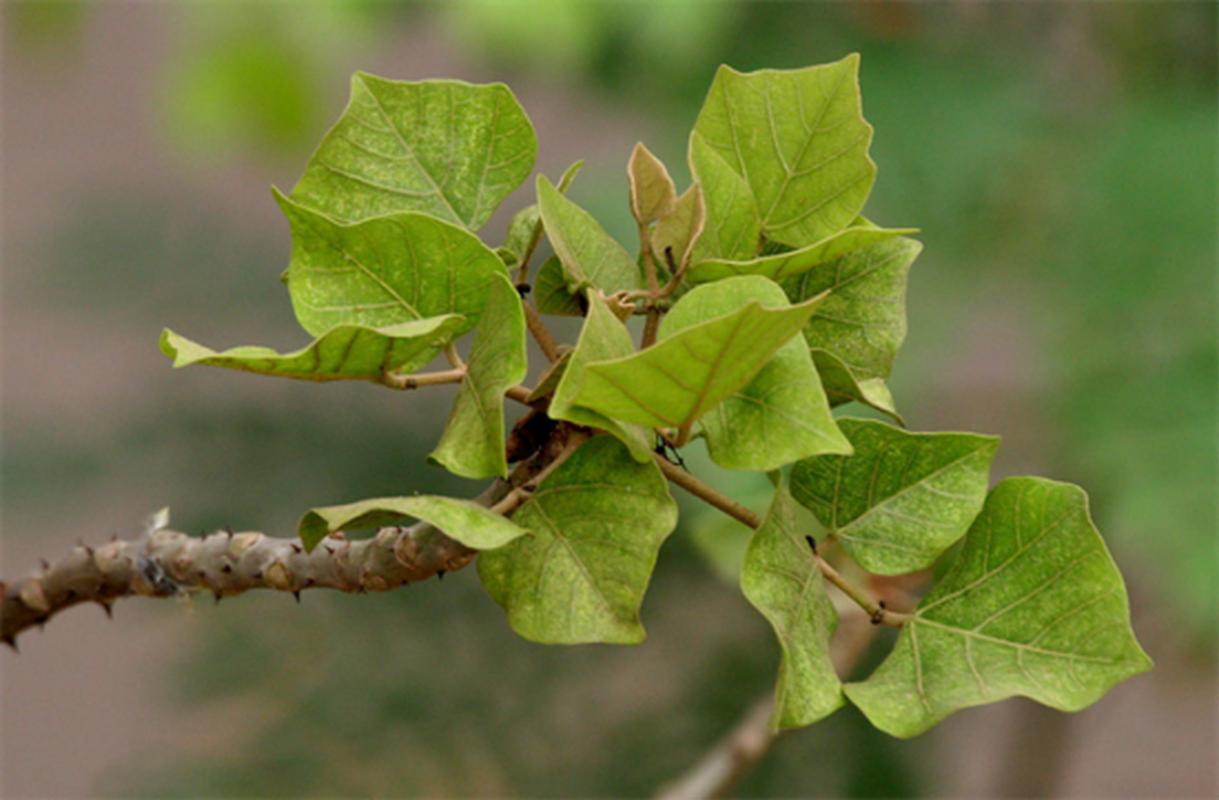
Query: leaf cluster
(767, 301)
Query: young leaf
(732, 229)
(590, 257)
(903, 498)
(604, 337)
(863, 322)
(780, 416)
(685, 375)
(794, 262)
(449, 149)
(384, 271)
(473, 442)
(346, 352)
(841, 386)
(1033, 606)
(676, 234)
(469, 523)
(598, 522)
(781, 579)
(799, 138)
(653, 195)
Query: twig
(541, 334)
(454, 375)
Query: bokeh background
(1060, 159)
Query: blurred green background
(1060, 159)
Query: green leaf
(799, 138)
(384, 271)
(590, 257)
(732, 229)
(473, 525)
(551, 294)
(780, 416)
(653, 195)
(794, 262)
(685, 375)
(347, 352)
(841, 386)
(473, 442)
(903, 498)
(677, 233)
(1033, 606)
(598, 522)
(863, 323)
(449, 149)
(781, 579)
(604, 337)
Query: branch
(166, 563)
(730, 760)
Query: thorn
(107, 607)
(11, 642)
(297, 595)
(296, 548)
(329, 549)
(228, 531)
(218, 598)
(440, 574)
(41, 622)
(81, 544)
(226, 568)
(114, 537)
(45, 565)
(812, 543)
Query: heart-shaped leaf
(903, 498)
(469, 523)
(449, 149)
(799, 138)
(794, 262)
(603, 337)
(781, 579)
(780, 416)
(597, 522)
(473, 442)
(1033, 606)
(863, 323)
(347, 352)
(590, 256)
(685, 375)
(384, 271)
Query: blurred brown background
(1060, 159)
